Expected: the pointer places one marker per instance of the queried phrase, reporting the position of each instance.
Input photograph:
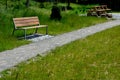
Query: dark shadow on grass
(31, 36)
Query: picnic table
(99, 11)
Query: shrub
(55, 13)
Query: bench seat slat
(25, 21)
(25, 18)
(26, 24)
(33, 27)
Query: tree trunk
(68, 3)
(27, 3)
(6, 4)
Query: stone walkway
(116, 15)
(11, 58)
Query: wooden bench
(25, 23)
(92, 12)
(105, 8)
(99, 11)
(96, 11)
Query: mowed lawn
(96, 57)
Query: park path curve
(11, 58)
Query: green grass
(69, 22)
(93, 58)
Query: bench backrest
(25, 21)
(104, 6)
(97, 8)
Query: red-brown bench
(25, 23)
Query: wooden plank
(26, 24)
(26, 21)
(25, 18)
(105, 7)
(22, 22)
(33, 27)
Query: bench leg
(13, 31)
(46, 30)
(25, 33)
(36, 30)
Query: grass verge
(93, 58)
(68, 23)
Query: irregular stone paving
(11, 58)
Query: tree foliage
(27, 3)
(113, 4)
